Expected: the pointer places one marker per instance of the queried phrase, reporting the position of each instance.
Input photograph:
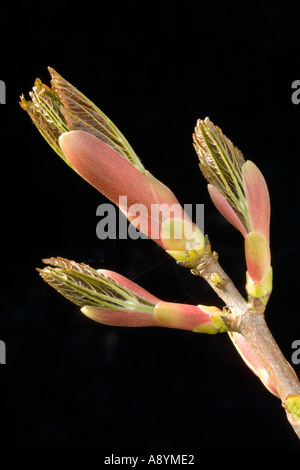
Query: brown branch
(254, 328)
(248, 320)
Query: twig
(250, 322)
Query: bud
(237, 187)
(200, 318)
(114, 176)
(239, 191)
(111, 299)
(93, 146)
(110, 173)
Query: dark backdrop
(73, 384)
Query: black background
(72, 384)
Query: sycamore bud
(86, 139)
(236, 186)
(239, 191)
(111, 299)
(200, 318)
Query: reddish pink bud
(113, 175)
(225, 208)
(257, 196)
(200, 319)
(145, 201)
(125, 303)
(197, 318)
(126, 317)
(105, 168)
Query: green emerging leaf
(86, 286)
(45, 110)
(63, 108)
(221, 164)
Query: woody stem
(254, 328)
(249, 321)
